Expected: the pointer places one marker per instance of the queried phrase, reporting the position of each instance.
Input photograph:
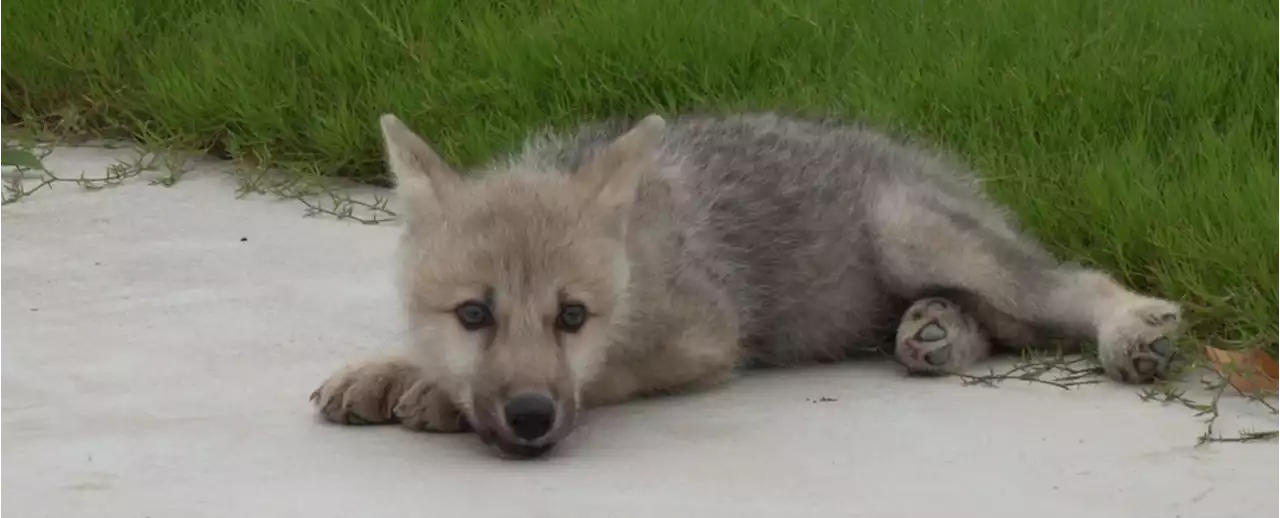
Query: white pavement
(159, 345)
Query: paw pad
(931, 333)
(1162, 347)
(1145, 367)
(938, 356)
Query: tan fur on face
(525, 242)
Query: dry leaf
(1251, 372)
(1269, 367)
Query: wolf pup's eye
(571, 317)
(473, 315)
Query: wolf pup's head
(513, 281)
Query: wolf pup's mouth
(513, 450)
(520, 451)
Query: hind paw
(936, 337)
(1136, 343)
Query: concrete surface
(160, 343)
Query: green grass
(1139, 136)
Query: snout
(530, 416)
(528, 424)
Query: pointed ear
(422, 177)
(614, 174)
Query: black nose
(530, 416)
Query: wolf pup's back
(772, 211)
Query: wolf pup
(627, 260)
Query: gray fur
(775, 212)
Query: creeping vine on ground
(30, 175)
(1068, 372)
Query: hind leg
(936, 336)
(929, 240)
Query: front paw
(365, 393)
(426, 408)
(1136, 342)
